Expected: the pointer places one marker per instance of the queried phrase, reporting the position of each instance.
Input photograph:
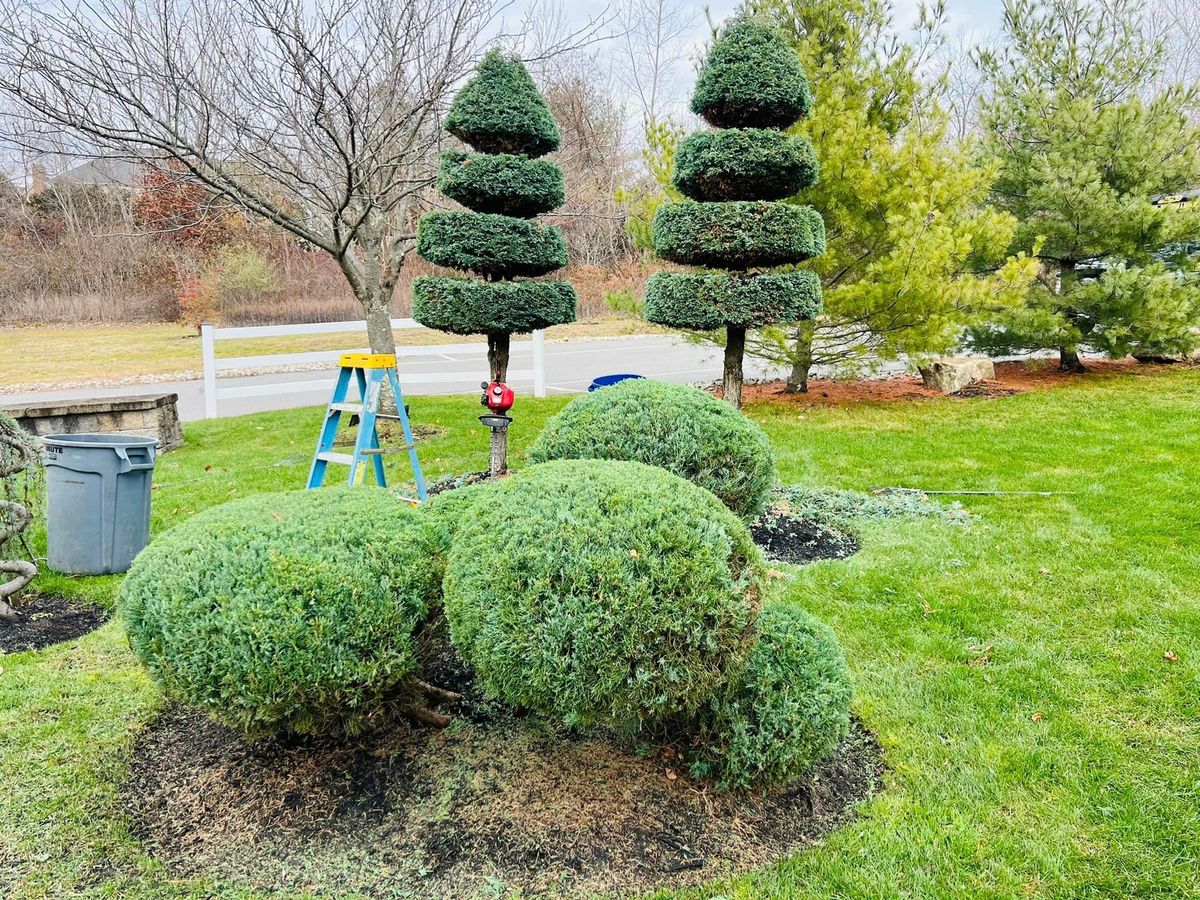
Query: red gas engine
(498, 398)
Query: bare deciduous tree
(322, 116)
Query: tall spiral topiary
(750, 88)
(500, 114)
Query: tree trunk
(797, 382)
(735, 348)
(1068, 354)
(498, 353)
(379, 325)
(1068, 360)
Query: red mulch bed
(1011, 378)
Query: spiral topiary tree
(750, 88)
(501, 115)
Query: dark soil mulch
(49, 619)
(799, 541)
(487, 806)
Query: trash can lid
(98, 440)
(608, 380)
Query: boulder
(950, 375)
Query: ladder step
(346, 407)
(346, 459)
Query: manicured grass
(57, 355)
(1039, 740)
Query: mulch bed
(49, 619)
(799, 541)
(492, 804)
(1011, 378)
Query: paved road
(570, 368)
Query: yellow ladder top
(367, 361)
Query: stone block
(950, 375)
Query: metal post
(209, 362)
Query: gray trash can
(97, 501)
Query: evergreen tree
(1085, 157)
(500, 114)
(750, 88)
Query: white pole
(539, 364)
(209, 358)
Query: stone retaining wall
(150, 416)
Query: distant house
(108, 174)
(111, 173)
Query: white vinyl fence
(457, 371)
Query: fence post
(209, 359)
(539, 363)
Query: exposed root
(435, 693)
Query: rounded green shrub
(787, 710)
(466, 306)
(602, 593)
(678, 428)
(499, 110)
(743, 164)
(737, 234)
(504, 184)
(705, 302)
(751, 79)
(488, 244)
(286, 612)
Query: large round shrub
(602, 593)
(286, 612)
(785, 712)
(678, 428)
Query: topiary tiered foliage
(750, 89)
(502, 116)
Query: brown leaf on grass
(1038, 716)
(1171, 656)
(671, 776)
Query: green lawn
(1039, 740)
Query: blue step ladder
(370, 371)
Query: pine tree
(500, 114)
(750, 88)
(1084, 160)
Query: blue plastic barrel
(607, 380)
(97, 501)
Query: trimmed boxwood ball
(785, 712)
(505, 184)
(602, 593)
(737, 234)
(705, 302)
(500, 110)
(678, 428)
(286, 612)
(466, 306)
(489, 244)
(744, 164)
(751, 79)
